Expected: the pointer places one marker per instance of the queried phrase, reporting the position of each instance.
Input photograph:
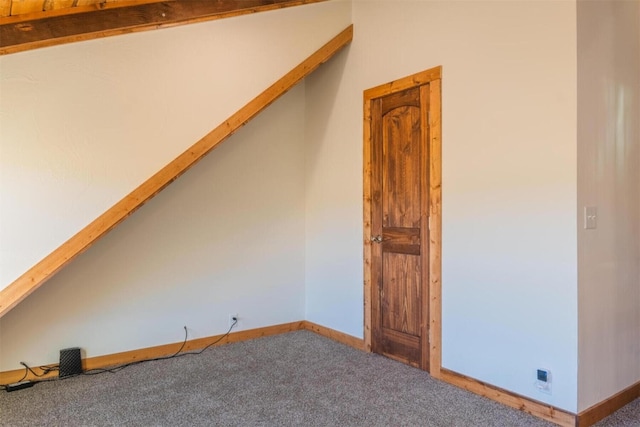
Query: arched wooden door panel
(402, 192)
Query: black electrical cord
(48, 368)
(235, 322)
(26, 372)
(126, 365)
(45, 370)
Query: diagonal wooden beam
(52, 263)
(49, 28)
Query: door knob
(376, 239)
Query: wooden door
(400, 225)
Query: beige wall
(509, 180)
(83, 123)
(609, 178)
(277, 210)
(227, 237)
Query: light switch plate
(590, 217)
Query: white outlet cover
(590, 217)
(543, 387)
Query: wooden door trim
(435, 227)
(432, 77)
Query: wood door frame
(432, 77)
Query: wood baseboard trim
(334, 335)
(586, 418)
(110, 360)
(608, 406)
(100, 362)
(530, 406)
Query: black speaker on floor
(70, 362)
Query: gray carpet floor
(294, 379)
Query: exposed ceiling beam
(14, 11)
(42, 29)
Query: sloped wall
(509, 180)
(83, 124)
(609, 178)
(227, 237)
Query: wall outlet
(233, 320)
(543, 380)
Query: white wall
(509, 180)
(609, 178)
(266, 213)
(81, 125)
(227, 237)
